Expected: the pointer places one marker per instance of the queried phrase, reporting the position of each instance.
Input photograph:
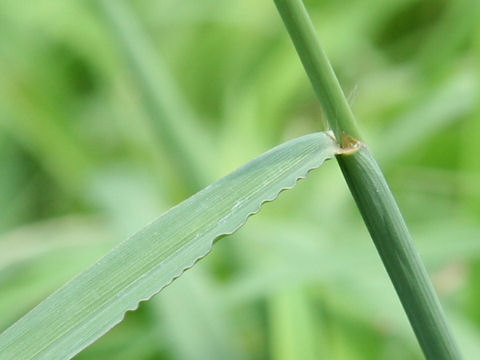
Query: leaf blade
(97, 299)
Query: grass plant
(372, 194)
(114, 112)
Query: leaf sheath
(395, 246)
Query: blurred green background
(113, 111)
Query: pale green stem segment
(372, 194)
(318, 68)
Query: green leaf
(97, 299)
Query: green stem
(395, 246)
(318, 68)
(372, 194)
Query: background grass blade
(96, 300)
(183, 140)
(201, 327)
(293, 327)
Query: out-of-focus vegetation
(91, 108)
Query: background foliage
(86, 161)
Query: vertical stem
(395, 246)
(318, 68)
(372, 194)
